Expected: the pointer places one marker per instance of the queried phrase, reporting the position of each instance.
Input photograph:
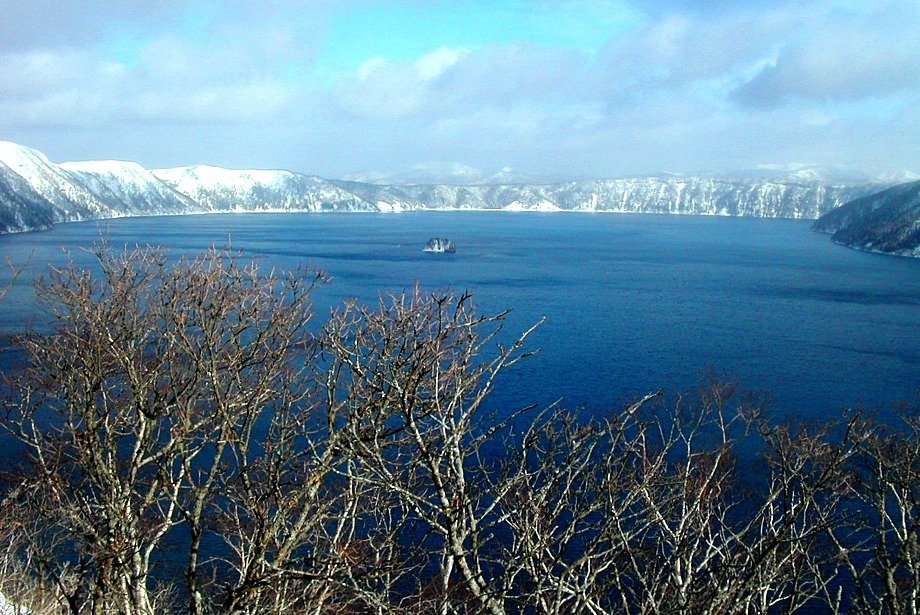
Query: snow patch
(116, 169)
(25, 161)
(192, 179)
(393, 207)
(540, 206)
(8, 608)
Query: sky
(554, 89)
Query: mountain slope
(385, 198)
(64, 191)
(37, 193)
(216, 189)
(660, 195)
(21, 207)
(136, 190)
(887, 221)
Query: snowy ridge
(137, 191)
(64, 191)
(117, 169)
(205, 177)
(36, 193)
(659, 195)
(216, 189)
(25, 161)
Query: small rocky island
(440, 244)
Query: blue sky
(404, 31)
(555, 89)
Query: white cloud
(686, 88)
(371, 66)
(32, 74)
(380, 88)
(170, 81)
(843, 60)
(435, 63)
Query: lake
(633, 303)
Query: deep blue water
(633, 303)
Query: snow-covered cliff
(667, 195)
(216, 189)
(36, 193)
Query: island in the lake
(440, 244)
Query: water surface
(632, 303)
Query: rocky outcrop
(439, 244)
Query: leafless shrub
(880, 557)
(193, 447)
(137, 407)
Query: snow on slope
(205, 177)
(70, 199)
(120, 170)
(217, 189)
(386, 198)
(30, 164)
(887, 221)
(21, 207)
(36, 193)
(8, 608)
(138, 191)
(661, 195)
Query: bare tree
(880, 556)
(642, 513)
(15, 272)
(133, 409)
(414, 374)
(23, 593)
(639, 513)
(195, 445)
(183, 409)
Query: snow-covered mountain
(216, 189)
(36, 193)
(887, 221)
(21, 207)
(659, 195)
(826, 174)
(67, 196)
(384, 198)
(137, 191)
(507, 175)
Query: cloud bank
(574, 88)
